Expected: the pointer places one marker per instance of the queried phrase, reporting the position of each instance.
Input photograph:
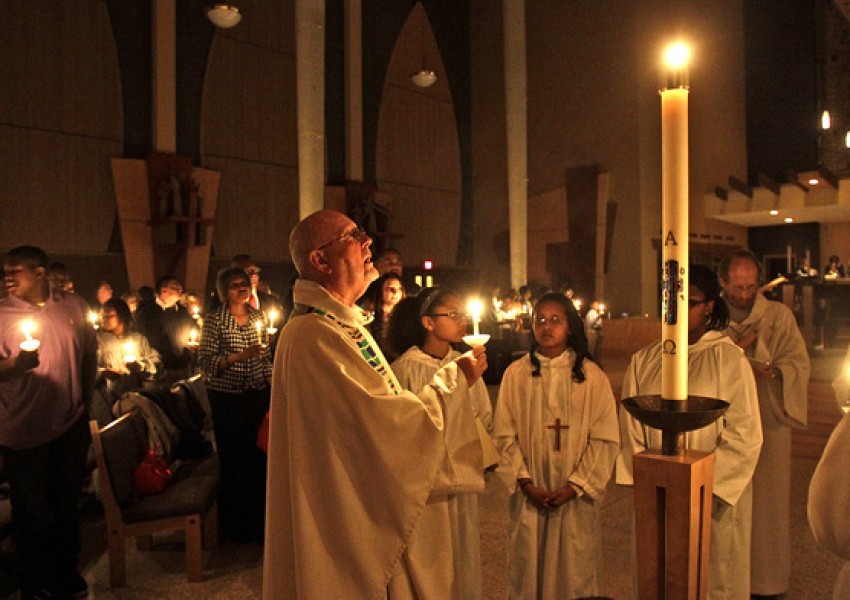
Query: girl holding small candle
(125, 359)
(556, 426)
(235, 359)
(425, 329)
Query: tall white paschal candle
(674, 225)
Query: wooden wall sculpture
(166, 211)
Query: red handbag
(263, 434)
(151, 475)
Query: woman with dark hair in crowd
(556, 425)
(235, 360)
(717, 368)
(389, 290)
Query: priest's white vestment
(718, 369)
(555, 554)
(783, 404)
(352, 455)
(829, 503)
(444, 553)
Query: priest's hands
(473, 364)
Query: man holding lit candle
(167, 323)
(352, 455)
(44, 436)
(768, 334)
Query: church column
(517, 143)
(164, 31)
(353, 90)
(310, 75)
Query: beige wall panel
(249, 104)
(428, 220)
(835, 239)
(547, 223)
(78, 96)
(59, 180)
(268, 24)
(257, 208)
(417, 141)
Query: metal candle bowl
(674, 417)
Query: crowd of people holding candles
(553, 435)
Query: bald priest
(352, 456)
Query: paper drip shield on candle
(675, 416)
(478, 339)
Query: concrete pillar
(353, 90)
(517, 143)
(310, 75)
(164, 32)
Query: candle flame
(475, 307)
(272, 317)
(27, 327)
(677, 56)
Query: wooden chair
(187, 504)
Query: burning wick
(475, 308)
(93, 319)
(193, 338)
(29, 344)
(130, 352)
(271, 329)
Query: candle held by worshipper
(30, 344)
(131, 352)
(474, 307)
(259, 333)
(271, 329)
(93, 319)
(193, 338)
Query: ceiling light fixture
(224, 16)
(789, 220)
(424, 78)
(774, 212)
(814, 181)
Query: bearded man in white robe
(352, 455)
(768, 333)
(718, 369)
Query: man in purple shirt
(44, 437)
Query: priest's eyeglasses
(453, 315)
(358, 234)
